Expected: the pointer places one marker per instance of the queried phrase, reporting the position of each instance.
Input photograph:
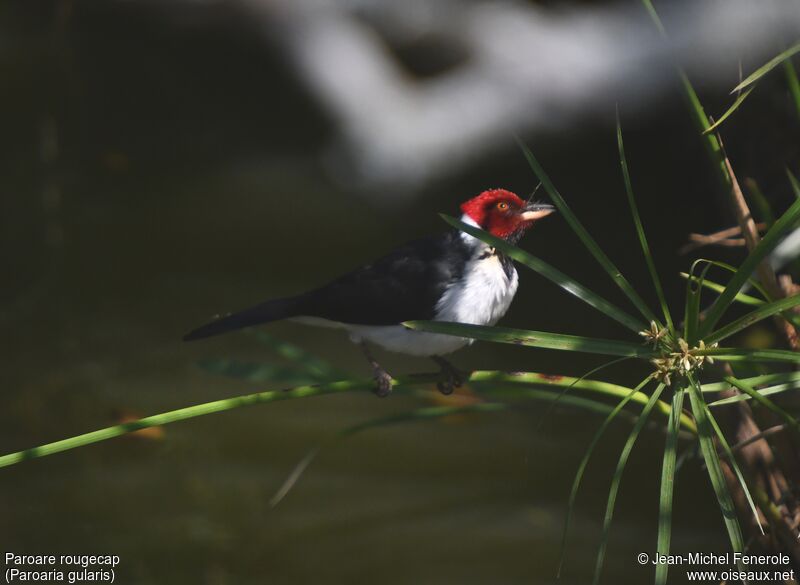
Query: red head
(503, 214)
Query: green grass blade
(694, 292)
(531, 338)
(733, 269)
(651, 10)
(510, 391)
(794, 183)
(760, 202)
(489, 379)
(690, 310)
(766, 391)
(188, 413)
(794, 84)
(420, 414)
(734, 465)
(735, 106)
(668, 485)
(553, 274)
(739, 298)
(713, 466)
(697, 112)
(713, 146)
(637, 220)
(771, 239)
(566, 389)
(742, 298)
(438, 412)
(764, 401)
(294, 476)
(779, 377)
(490, 383)
(584, 236)
(764, 311)
(767, 67)
(617, 478)
(576, 483)
(737, 354)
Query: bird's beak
(535, 211)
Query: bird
(450, 276)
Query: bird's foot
(383, 382)
(453, 378)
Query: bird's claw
(453, 378)
(383, 383)
(445, 388)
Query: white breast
(481, 297)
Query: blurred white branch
(527, 68)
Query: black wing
(402, 286)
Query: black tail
(263, 313)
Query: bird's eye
(502, 206)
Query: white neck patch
(468, 239)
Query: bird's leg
(383, 381)
(453, 378)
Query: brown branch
(721, 238)
(772, 477)
(758, 436)
(750, 232)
